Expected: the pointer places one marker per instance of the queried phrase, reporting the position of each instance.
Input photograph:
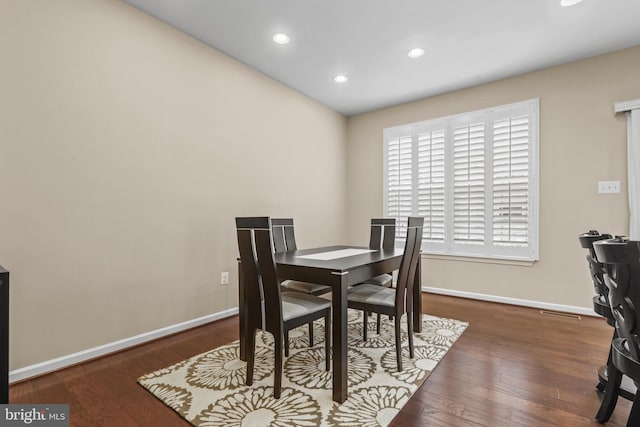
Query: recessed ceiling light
(416, 52)
(281, 38)
(340, 78)
(566, 3)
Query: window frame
(489, 117)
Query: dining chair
(621, 259)
(284, 240)
(383, 236)
(268, 308)
(393, 301)
(601, 304)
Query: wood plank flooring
(511, 367)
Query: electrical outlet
(608, 187)
(224, 278)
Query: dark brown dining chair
(389, 301)
(268, 308)
(601, 298)
(621, 259)
(284, 240)
(383, 236)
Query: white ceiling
(466, 42)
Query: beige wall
(126, 150)
(581, 143)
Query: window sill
(479, 259)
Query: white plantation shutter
(400, 180)
(473, 177)
(431, 184)
(468, 184)
(511, 181)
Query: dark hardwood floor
(511, 367)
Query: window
(473, 177)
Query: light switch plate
(608, 187)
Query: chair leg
(610, 394)
(398, 344)
(251, 355)
(364, 325)
(410, 333)
(286, 344)
(634, 415)
(310, 334)
(600, 386)
(277, 380)
(378, 322)
(327, 341)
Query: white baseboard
(513, 301)
(81, 356)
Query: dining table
(339, 267)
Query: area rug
(209, 389)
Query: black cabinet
(4, 336)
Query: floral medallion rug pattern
(209, 389)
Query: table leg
(417, 297)
(242, 314)
(340, 368)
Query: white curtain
(633, 168)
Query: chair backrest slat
(290, 239)
(270, 284)
(409, 263)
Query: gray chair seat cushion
(373, 294)
(306, 287)
(297, 304)
(381, 280)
